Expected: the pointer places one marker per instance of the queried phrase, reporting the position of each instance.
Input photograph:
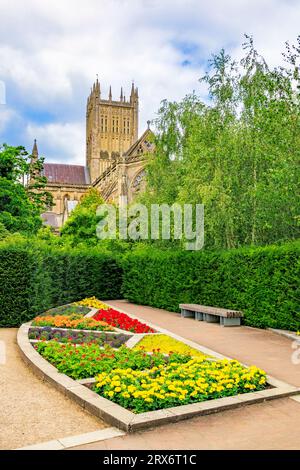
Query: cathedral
(115, 156)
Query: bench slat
(220, 312)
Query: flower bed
(72, 321)
(122, 321)
(48, 333)
(90, 360)
(166, 344)
(92, 302)
(178, 384)
(67, 310)
(159, 372)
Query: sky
(51, 51)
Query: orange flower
(64, 321)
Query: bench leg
(230, 321)
(198, 316)
(211, 318)
(187, 313)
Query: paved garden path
(32, 411)
(269, 425)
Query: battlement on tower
(111, 128)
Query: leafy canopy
(80, 227)
(237, 154)
(22, 190)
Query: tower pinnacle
(35, 152)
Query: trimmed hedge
(262, 282)
(35, 277)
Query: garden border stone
(127, 421)
(286, 333)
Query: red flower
(122, 321)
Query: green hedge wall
(263, 282)
(35, 277)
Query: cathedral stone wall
(115, 157)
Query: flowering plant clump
(67, 310)
(72, 321)
(122, 321)
(88, 360)
(92, 302)
(48, 333)
(178, 384)
(166, 344)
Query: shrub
(262, 282)
(35, 277)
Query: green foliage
(21, 205)
(17, 213)
(4, 233)
(68, 309)
(81, 225)
(90, 360)
(238, 155)
(35, 276)
(262, 282)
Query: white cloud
(50, 52)
(59, 139)
(7, 115)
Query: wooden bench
(211, 314)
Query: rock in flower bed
(175, 384)
(66, 310)
(92, 302)
(72, 321)
(166, 344)
(90, 360)
(121, 320)
(47, 333)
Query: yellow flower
(166, 344)
(111, 393)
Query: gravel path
(31, 410)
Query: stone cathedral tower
(115, 157)
(111, 128)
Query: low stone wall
(118, 416)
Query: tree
(21, 204)
(80, 227)
(237, 154)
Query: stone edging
(286, 333)
(125, 420)
(73, 441)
